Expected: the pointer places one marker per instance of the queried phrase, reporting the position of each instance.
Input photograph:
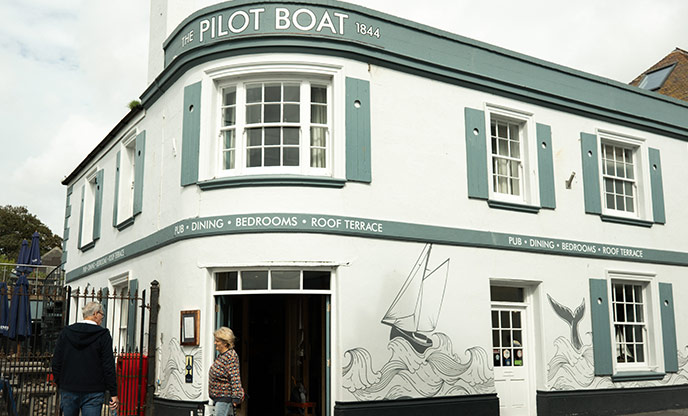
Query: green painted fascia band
(372, 228)
(635, 118)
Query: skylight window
(654, 80)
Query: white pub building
(393, 219)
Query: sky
(69, 68)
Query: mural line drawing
(571, 318)
(572, 367)
(417, 306)
(422, 362)
(172, 384)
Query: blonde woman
(224, 381)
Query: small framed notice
(190, 321)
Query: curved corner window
(276, 126)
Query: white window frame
(241, 291)
(127, 176)
(643, 199)
(529, 187)
(654, 354)
(119, 285)
(89, 207)
(302, 72)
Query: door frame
(327, 334)
(529, 306)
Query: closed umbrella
(35, 251)
(20, 313)
(23, 258)
(4, 309)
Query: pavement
(672, 412)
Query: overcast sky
(69, 68)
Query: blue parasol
(23, 258)
(35, 252)
(4, 309)
(20, 313)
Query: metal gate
(27, 387)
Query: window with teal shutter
(129, 172)
(90, 212)
(509, 159)
(624, 328)
(622, 179)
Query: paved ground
(680, 412)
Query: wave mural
(408, 373)
(172, 384)
(572, 367)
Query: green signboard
(371, 228)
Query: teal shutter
(104, 301)
(131, 317)
(68, 213)
(115, 205)
(98, 207)
(191, 133)
(68, 205)
(657, 187)
(666, 299)
(81, 215)
(591, 173)
(545, 166)
(139, 157)
(476, 153)
(601, 330)
(358, 165)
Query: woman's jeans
(222, 409)
(90, 404)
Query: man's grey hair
(91, 308)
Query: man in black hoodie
(84, 365)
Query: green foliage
(16, 224)
(134, 104)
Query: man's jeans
(90, 404)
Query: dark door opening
(281, 345)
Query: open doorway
(281, 342)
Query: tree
(16, 224)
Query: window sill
(513, 206)
(124, 224)
(627, 221)
(637, 376)
(88, 246)
(271, 180)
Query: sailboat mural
(423, 362)
(416, 308)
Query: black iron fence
(26, 383)
(31, 317)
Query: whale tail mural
(571, 318)
(414, 312)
